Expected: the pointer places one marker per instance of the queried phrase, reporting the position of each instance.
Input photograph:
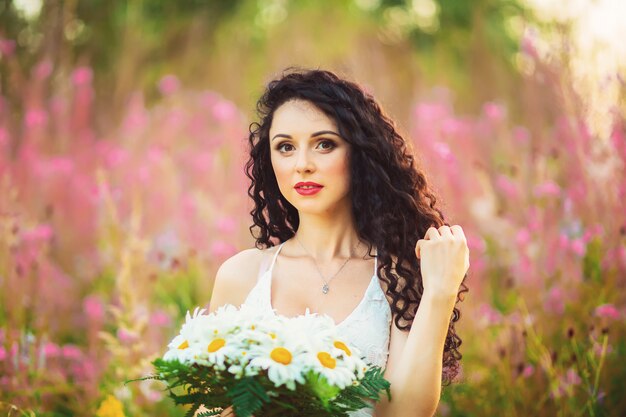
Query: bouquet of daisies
(266, 365)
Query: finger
(432, 234)
(419, 246)
(457, 231)
(445, 231)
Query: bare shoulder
(236, 277)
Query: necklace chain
(326, 287)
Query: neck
(327, 238)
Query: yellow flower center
(326, 360)
(342, 346)
(184, 345)
(253, 327)
(273, 335)
(281, 355)
(216, 344)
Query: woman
(335, 186)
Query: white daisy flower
(284, 364)
(311, 331)
(187, 344)
(350, 356)
(331, 367)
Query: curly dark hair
(392, 204)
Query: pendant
(325, 289)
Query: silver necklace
(326, 287)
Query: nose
(304, 162)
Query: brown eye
(280, 147)
(330, 144)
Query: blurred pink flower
(169, 85)
(188, 207)
(566, 384)
(528, 371)
(608, 311)
(143, 174)
(7, 47)
(523, 237)
(35, 117)
(521, 135)
(555, 300)
(494, 112)
(571, 377)
(597, 349)
(221, 249)
(528, 42)
(563, 241)
(428, 112)
(126, 336)
(71, 352)
(489, 316)
(82, 76)
(475, 242)
(593, 231)
(202, 161)
(3, 354)
(115, 156)
(137, 117)
(506, 186)
(451, 126)
(4, 135)
(40, 233)
(442, 150)
(155, 155)
(86, 370)
(578, 246)
(225, 225)
(154, 396)
(93, 308)
(160, 318)
(174, 119)
(61, 165)
(534, 221)
(224, 111)
(43, 69)
(523, 270)
(548, 189)
(51, 350)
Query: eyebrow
(321, 132)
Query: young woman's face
(305, 146)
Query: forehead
(300, 116)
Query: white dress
(367, 327)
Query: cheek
(282, 172)
(339, 170)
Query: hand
(227, 412)
(444, 260)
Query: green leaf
(248, 396)
(320, 386)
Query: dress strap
(376, 262)
(276, 255)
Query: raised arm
(415, 358)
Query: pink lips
(315, 188)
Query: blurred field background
(122, 141)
